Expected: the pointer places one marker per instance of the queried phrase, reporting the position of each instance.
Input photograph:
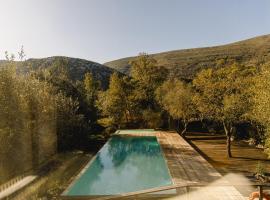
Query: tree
(69, 123)
(21, 54)
(40, 112)
(261, 100)
(90, 87)
(114, 101)
(27, 122)
(222, 95)
(82, 93)
(147, 76)
(88, 103)
(176, 98)
(10, 57)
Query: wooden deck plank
(187, 165)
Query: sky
(105, 30)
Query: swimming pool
(124, 164)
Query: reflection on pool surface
(124, 164)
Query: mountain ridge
(76, 67)
(186, 63)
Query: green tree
(222, 95)
(114, 103)
(27, 122)
(91, 87)
(83, 94)
(40, 112)
(176, 98)
(88, 103)
(69, 123)
(147, 76)
(261, 100)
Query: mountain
(75, 67)
(187, 62)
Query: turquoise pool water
(124, 164)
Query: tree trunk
(127, 112)
(178, 126)
(126, 116)
(183, 133)
(228, 131)
(169, 122)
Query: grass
(55, 177)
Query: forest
(44, 111)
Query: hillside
(75, 67)
(187, 62)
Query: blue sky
(104, 30)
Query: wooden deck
(186, 165)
